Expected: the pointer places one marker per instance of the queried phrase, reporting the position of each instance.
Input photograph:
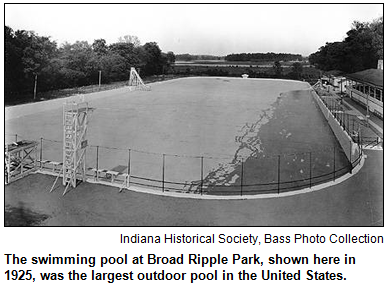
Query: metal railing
(203, 174)
(353, 124)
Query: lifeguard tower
(75, 123)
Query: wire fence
(235, 175)
(355, 124)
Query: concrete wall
(350, 148)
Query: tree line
(259, 57)
(360, 50)
(192, 57)
(29, 56)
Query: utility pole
(35, 84)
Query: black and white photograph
(264, 115)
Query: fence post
(163, 173)
(350, 156)
(334, 165)
(41, 151)
(344, 118)
(310, 170)
(242, 177)
(97, 164)
(201, 187)
(278, 174)
(336, 111)
(129, 167)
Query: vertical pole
(339, 114)
(22, 153)
(201, 175)
(278, 174)
(334, 164)
(242, 177)
(367, 109)
(97, 165)
(163, 173)
(84, 161)
(36, 157)
(350, 156)
(41, 151)
(16, 137)
(129, 167)
(35, 84)
(99, 79)
(310, 170)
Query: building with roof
(367, 88)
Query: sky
(217, 29)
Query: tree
(99, 46)
(278, 69)
(130, 39)
(81, 58)
(360, 50)
(297, 70)
(26, 56)
(170, 57)
(154, 60)
(377, 27)
(113, 67)
(13, 66)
